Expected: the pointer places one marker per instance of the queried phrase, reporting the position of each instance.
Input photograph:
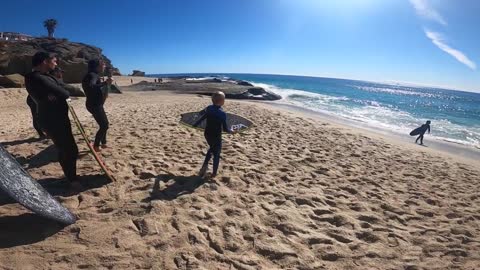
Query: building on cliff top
(12, 36)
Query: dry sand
(292, 193)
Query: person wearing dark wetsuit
(33, 109)
(97, 93)
(423, 129)
(216, 123)
(52, 109)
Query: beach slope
(292, 193)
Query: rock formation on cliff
(16, 57)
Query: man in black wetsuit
(97, 92)
(36, 125)
(216, 122)
(50, 98)
(423, 129)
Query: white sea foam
(376, 115)
(200, 79)
(294, 93)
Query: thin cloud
(423, 9)
(438, 40)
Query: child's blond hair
(218, 96)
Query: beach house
(13, 36)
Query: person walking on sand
(97, 92)
(421, 131)
(51, 99)
(216, 122)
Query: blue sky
(431, 42)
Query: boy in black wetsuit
(52, 108)
(423, 129)
(97, 93)
(216, 122)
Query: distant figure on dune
(96, 93)
(421, 131)
(216, 122)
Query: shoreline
(452, 150)
(468, 153)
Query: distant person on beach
(216, 122)
(421, 131)
(51, 99)
(97, 92)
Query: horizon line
(390, 82)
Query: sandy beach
(294, 192)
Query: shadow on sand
(26, 229)
(30, 228)
(17, 142)
(44, 157)
(60, 187)
(182, 185)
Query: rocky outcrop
(231, 89)
(16, 57)
(138, 73)
(209, 80)
(244, 83)
(255, 93)
(12, 81)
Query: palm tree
(50, 24)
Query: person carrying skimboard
(216, 122)
(420, 131)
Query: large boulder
(255, 93)
(138, 73)
(74, 70)
(244, 83)
(16, 57)
(12, 81)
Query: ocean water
(455, 115)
